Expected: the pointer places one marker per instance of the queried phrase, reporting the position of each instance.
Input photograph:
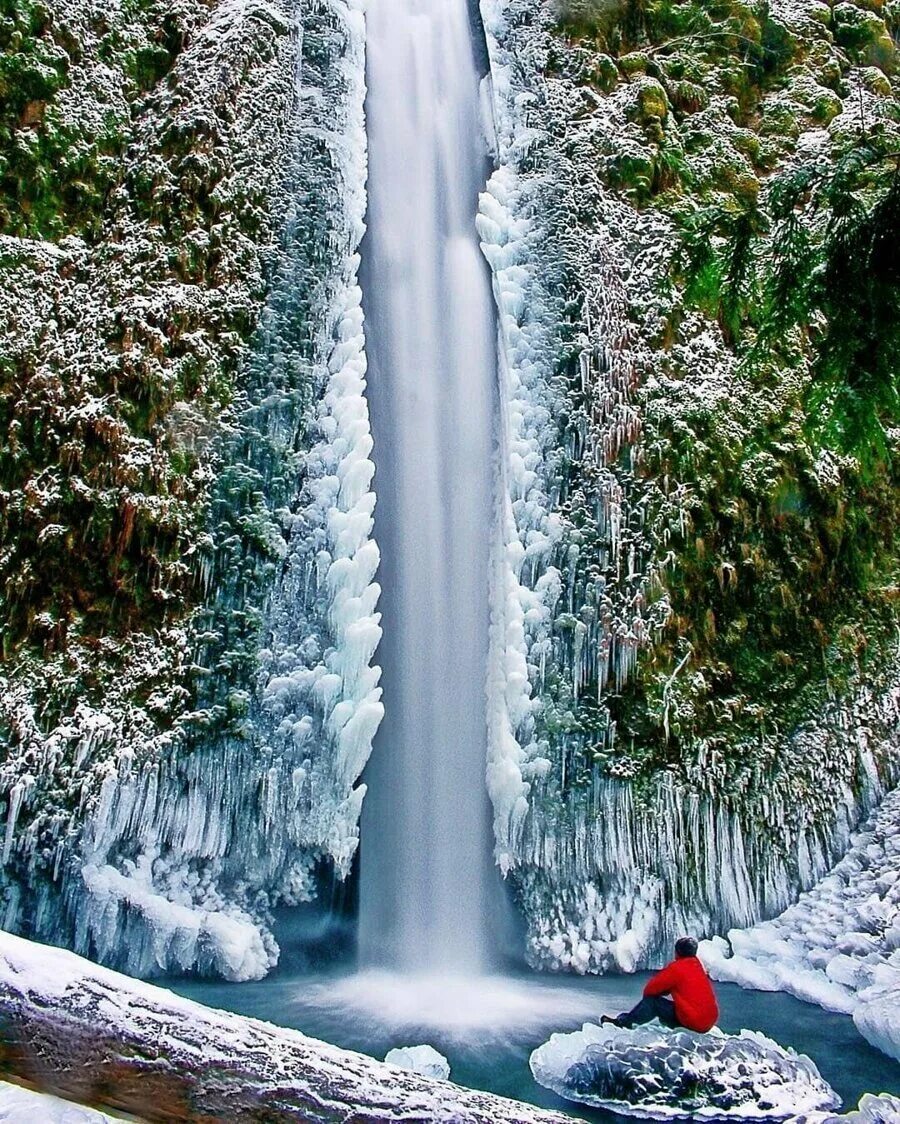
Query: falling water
(427, 845)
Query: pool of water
(487, 1028)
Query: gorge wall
(693, 687)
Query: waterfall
(426, 862)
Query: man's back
(685, 979)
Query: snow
(876, 1109)
(26, 1106)
(660, 1074)
(420, 1059)
(839, 945)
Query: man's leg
(650, 1007)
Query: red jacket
(685, 979)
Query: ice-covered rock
(839, 945)
(419, 1059)
(662, 1074)
(883, 1109)
(608, 875)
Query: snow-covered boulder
(661, 1074)
(420, 1059)
(877, 1017)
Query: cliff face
(693, 681)
(702, 529)
(187, 597)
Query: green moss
(603, 73)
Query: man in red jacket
(693, 1002)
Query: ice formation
(839, 945)
(18, 1105)
(662, 1074)
(420, 1059)
(876, 1109)
(606, 879)
(188, 840)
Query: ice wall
(839, 945)
(187, 842)
(609, 871)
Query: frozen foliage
(239, 822)
(662, 1074)
(839, 945)
(101, 324)
(420, 1059)
(129, 1042)
(18, 1105)
(185, 839)
(731, 828)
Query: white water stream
(426, 861)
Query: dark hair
(686, 946)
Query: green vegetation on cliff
(764, 138)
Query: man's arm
(663, 982)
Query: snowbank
(664, 1074)
(839, 945)
(18, 1105)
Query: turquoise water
(488, 1040)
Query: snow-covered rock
(663, 1074)
(839, 945)
(876, 1109)
(419, 1059)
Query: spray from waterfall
(426, 866)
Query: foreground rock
(97, 1037)
(661, 1074)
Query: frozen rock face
(634, 796)
(661, 1074)
(420, 1059)
(839, 945)
(154, 816)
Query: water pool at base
(488, 1027)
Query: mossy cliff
(181, 195)
(783, 584)
(719, 194)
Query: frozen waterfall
(426, 865)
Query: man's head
(686, 946)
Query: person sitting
(692, 1004)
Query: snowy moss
(667, 657)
